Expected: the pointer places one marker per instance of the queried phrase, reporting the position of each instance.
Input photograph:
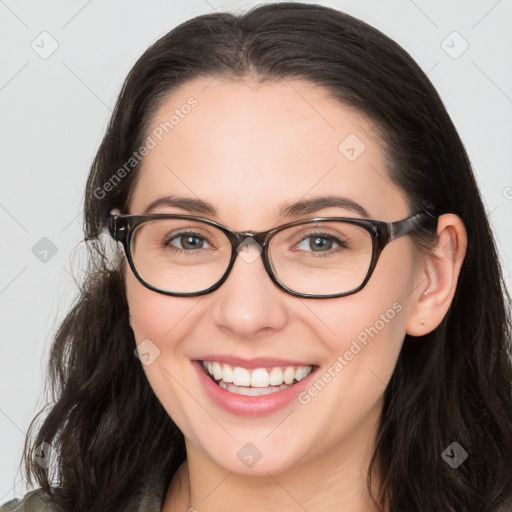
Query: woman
(304, 309)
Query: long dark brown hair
(105, 425)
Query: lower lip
(250, 405)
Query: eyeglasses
(319, 258)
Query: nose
(248, 303)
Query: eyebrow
(305, 206)
(313, 205)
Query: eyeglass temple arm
(401, 228)
(117, 233)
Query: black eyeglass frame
(121, 227)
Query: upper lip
(257, 362)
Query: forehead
(249, 147)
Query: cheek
(158, 323)
(363, 333)
(154, 315)
(363, 340)
(376, 313)
(363, 349)
(363, 344)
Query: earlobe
(437, 276)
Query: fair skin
(248, 149)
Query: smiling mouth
(257, 381)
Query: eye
(320, 242)
(316, 243)
(187, 241)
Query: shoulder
(34, 501)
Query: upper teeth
(259, 377)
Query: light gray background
(54, 112)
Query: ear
(437, 276)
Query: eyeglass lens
(187, 256)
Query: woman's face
(249, 150)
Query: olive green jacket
(150, 500)
(32, 501)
